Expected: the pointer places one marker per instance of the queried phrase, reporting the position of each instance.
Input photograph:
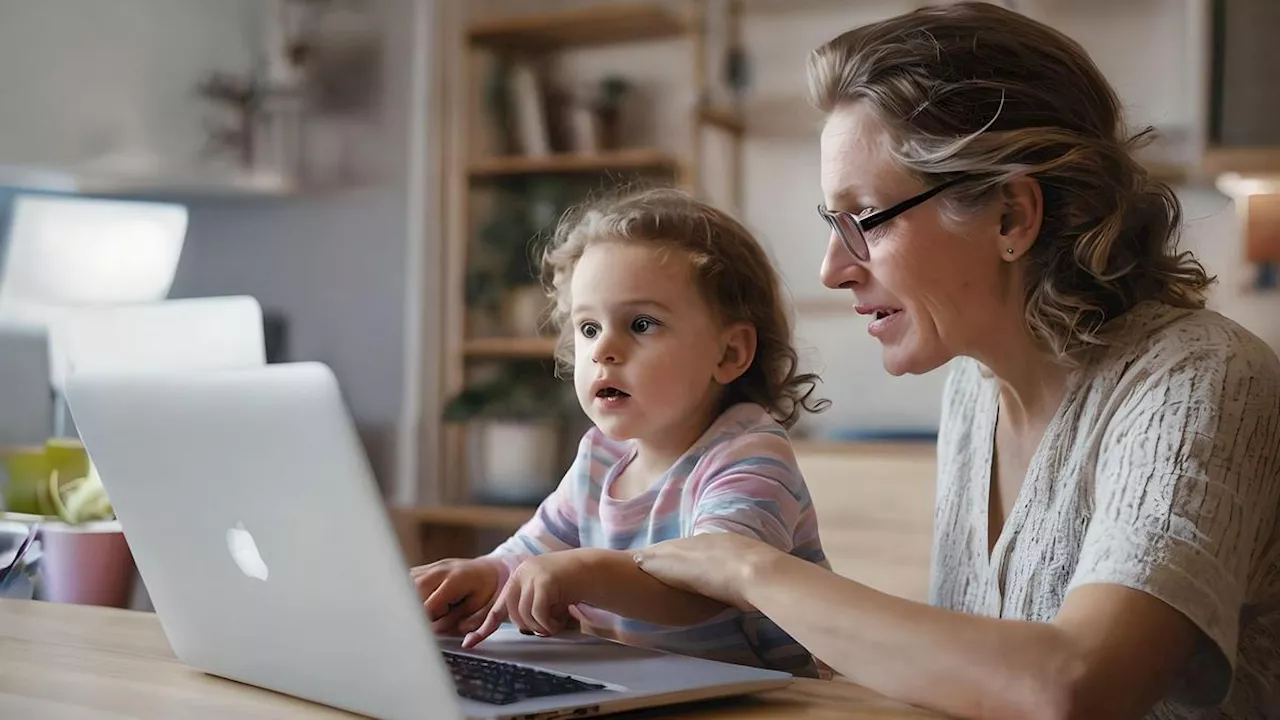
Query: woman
(1109, 451)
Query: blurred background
(372, 178)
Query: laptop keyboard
(502, 683)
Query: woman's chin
(905, 359)
(894, 367)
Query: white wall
(340, 264)
(93, 83)
(781, 192)
(84, 83)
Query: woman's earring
(1009, 250)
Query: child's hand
(456, 594)
(538, 595)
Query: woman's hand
(456, 594)
(537, 596)
(717, 565)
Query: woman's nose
(840, 269)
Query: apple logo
(244, 551)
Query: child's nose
(606, 350)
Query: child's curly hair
(733, 273)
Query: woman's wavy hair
(976, 90)
(732, 272)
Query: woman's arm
(542, 593)
(1109, 654)
(616, 584)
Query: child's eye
(589, 330)
(643, 325)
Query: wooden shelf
(196, 183)
(480, 517)
(581, 27)
(534, 347)
(1242, 160)
(636, 159)
(724, 119)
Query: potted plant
(514, 431)
(615, 90)
(503, 292)
(83, 555)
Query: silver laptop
(266, 548)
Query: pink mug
(86, 564)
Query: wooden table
(90, 663)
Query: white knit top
(1160, 472)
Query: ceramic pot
(86, 564)
(513, 462)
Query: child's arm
(543, 591)
(754, 487)
(618, 585)
(749, 486)
(760, 493)
(554, 526)
(457, 593)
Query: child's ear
(738, 343)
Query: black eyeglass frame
(865, 224)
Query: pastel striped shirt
(741, 476)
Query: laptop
(205, 333)
(265, 544)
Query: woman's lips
(884, 323)
(885, 317)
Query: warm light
(79, 251)
(1238, 186)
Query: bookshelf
(502, 347)
(585, 26)
(476, 170)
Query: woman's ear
(1021, 213)
(738, 343)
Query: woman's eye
(847, 224)
(589, 330)
(643, 325)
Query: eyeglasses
(853, 229)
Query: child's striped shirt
(741, 476)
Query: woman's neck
(1032, 381)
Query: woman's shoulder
(1155, 337)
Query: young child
(672, 319)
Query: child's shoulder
(746, 430)
(747, 419)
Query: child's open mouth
(611, 395)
